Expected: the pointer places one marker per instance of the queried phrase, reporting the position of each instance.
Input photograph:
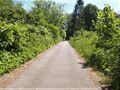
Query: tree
(49, 11)
(90, 15)
(69, 31)
(78, 14)
(11, 12)
(107, 23)
(4, 3)
(76, 19)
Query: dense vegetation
(24, 34)
(96, 36)
(94, 33)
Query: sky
(69, 4)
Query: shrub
(101, 48)
(85, 43)
(19, 43)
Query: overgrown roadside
(94, 75)
(95, 34)
(24, 34)
(55, 70)
(8, 78)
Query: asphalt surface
(58, 68)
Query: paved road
(58, 68)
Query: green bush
(24, 34)
(85, 43)
(101, 48)
(20, 43)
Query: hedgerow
(85, 43)
(20, 43)
(101, 47)
(24, 34)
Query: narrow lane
(57, 68)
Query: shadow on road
(86, 65)
(106, 88)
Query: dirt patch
(94, 76)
